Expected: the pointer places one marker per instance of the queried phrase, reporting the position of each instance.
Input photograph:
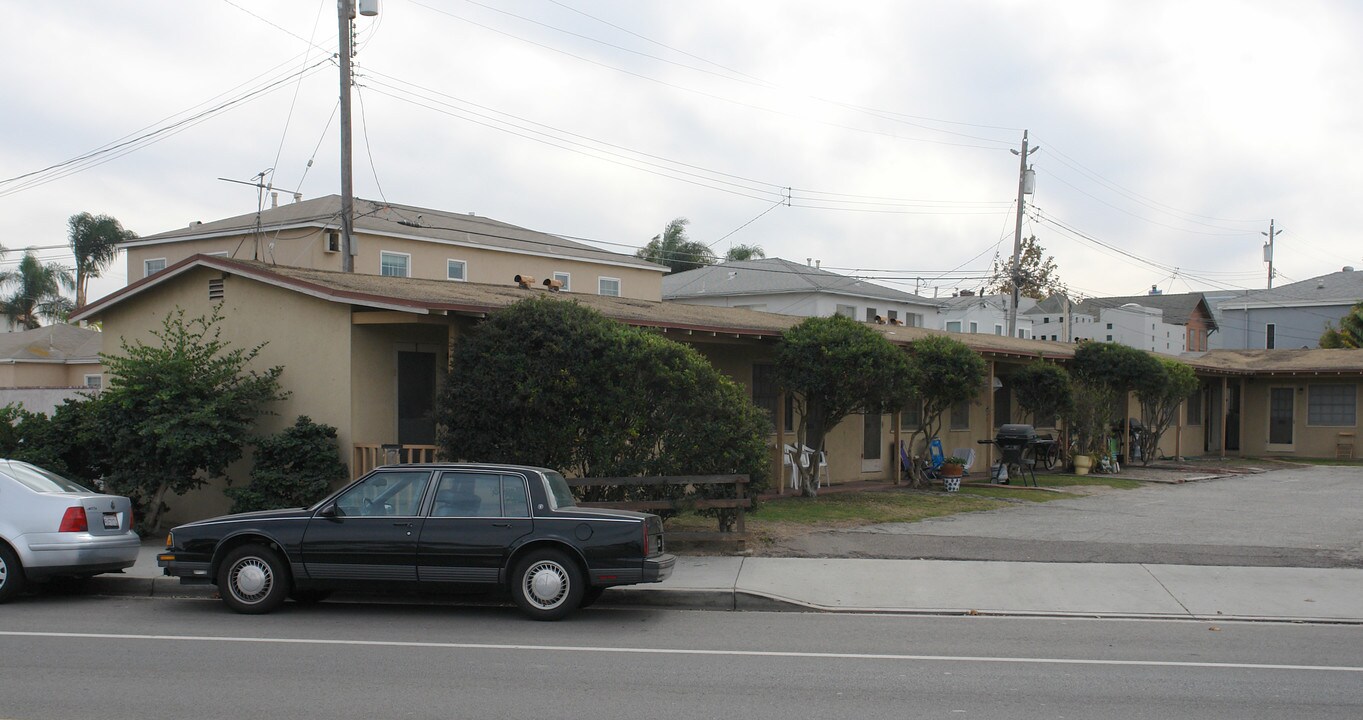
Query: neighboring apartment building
(985, 314)
(41, 368)
(1165, 324)
(401, 241)
(789, 288)
(1290, 317)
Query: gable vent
(215, 289)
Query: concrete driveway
(1296, 517)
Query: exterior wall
(429, 259)
(310, 338)
(986, 316)
(47, 374)
(1294, 327)
(374, 376)
(43, 400)
(1309, 440)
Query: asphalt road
(1298, 517)
(68, 657)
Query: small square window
(847, 311)
(974, 327)
(871, 314)
(94, 382)
(456, 270)
(566, 279)
(153, 266)
(953, 326)
(609, 287)
(394, 264)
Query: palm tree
(94, 242)
(674, 250)
(37, 292)
(745, 252)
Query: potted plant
(953, 468)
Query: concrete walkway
(1319, 595)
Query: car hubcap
(251, 580)
(546, 584)
(4, 572)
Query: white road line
(684, 651)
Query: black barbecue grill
(1013, 441)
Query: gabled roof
(773, 276)
(59, 343)
(1175, 309)
(1339, 288)
(405, 221)
(431, 297)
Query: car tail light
(646, 553)
(74, 520)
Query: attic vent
(215, 289)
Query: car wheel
(253, 580)
(11, 574)
(590, 596)
(309, 596)
(547, 585)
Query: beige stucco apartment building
(366, 351)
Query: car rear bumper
(658, 569)
(52, 554)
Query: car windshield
(39, 479)
(559, 493)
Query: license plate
(110, 521)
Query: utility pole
(1024, 188)
(1268, 251)
(345, 10)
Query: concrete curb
(715, 599)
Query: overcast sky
(1170, 132)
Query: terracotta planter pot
(952, 470)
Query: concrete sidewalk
(937, 587)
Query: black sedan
(443, 527)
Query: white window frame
(463, 270)
(957, 323)
(601, 286)
(405, 256)
(974, 327)
(566, 279)
(848, 311)
(146, 266)
(98, 379)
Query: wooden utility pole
(1016, 274)
(345, 10)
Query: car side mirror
(329, 511)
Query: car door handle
(406, 524)
(501, 525)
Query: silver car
(54, 527)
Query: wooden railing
(367, 457)
(739, 503)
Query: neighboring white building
(985, 314)
(789, 288)
(1127, 321)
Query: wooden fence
(739, 503)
